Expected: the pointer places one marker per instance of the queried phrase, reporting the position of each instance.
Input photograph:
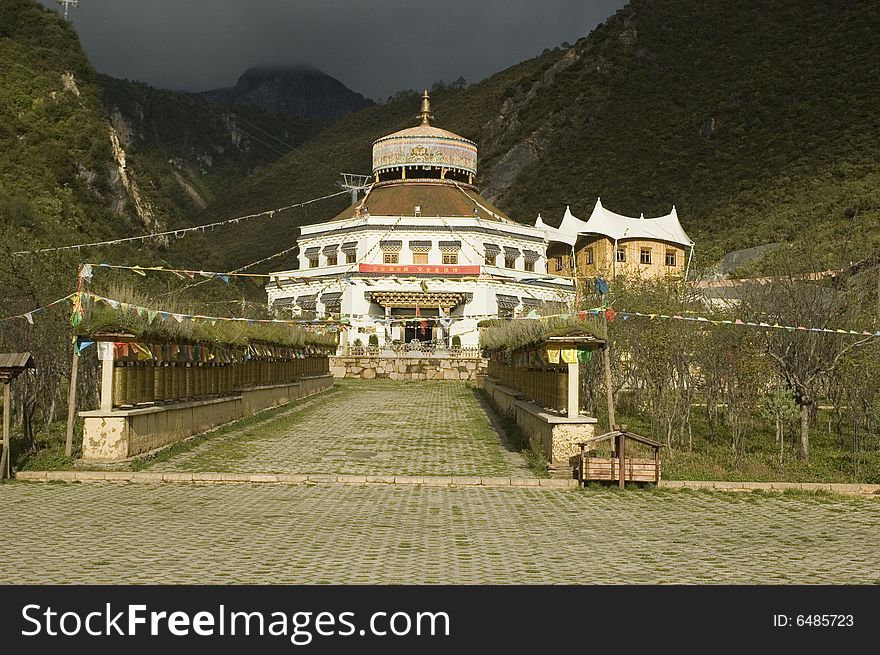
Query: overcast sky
(376, 47)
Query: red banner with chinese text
(415, 269)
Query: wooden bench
(607, 469)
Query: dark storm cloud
(376, 47)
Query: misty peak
(299, 89)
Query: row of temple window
(333, 259)
(646, 256)
(509, 262)
(451, 259)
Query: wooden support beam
(622, 455)
(6, 458)
(71, 402)
(606, 364)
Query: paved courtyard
(185, 533)
(363, 427)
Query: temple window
(449, 250)
(331, 252)
(620, 255)
(420, 250)
(492, 251)
(510, 256)
(391, 251)
(530, 266)
(349, 249)
(558, 260)
(645, 256)
(671, 259)
(313, 256)
(589, 256)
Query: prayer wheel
(150, 389)
(562, 390)
(159, 377)
(180, 381)
(189, 391)
(136, 383)
(120, 380)
(169, 392)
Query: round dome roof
(425, 146)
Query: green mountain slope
(757, 120)
(84, 157)
(57, 168)
(191, 148)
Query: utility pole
(67, 4)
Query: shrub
(456, 341)
(373, 340)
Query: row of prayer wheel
(546, 387)
(136, 383)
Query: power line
(178, 233)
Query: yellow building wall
(603, 263)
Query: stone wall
(408, 368)
(557, 433)
(121, 434)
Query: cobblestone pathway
(186, 533)
(370, 427)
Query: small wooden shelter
(11, 366)
(617, 467)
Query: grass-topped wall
(517, 334)
(137, 315)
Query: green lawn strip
(531, 449)
(712, 457)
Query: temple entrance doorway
(421, 330)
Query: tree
(459, 84)
(804, 355)
(779, 406)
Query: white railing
(414, 348)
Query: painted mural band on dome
(414, 151)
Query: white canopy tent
(617, 227)
(556, 234)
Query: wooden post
(573, 389)
(606, 363)
(71, 402)
(6, 459)
(657, 466)
(105, 352)
(622, 455)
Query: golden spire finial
(426, 108)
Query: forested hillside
(757, 120)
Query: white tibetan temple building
(422, 256)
